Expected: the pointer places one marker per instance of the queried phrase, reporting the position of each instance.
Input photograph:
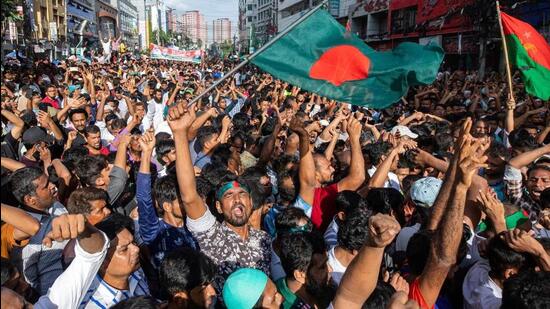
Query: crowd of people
(118, 193)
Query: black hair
(89, 169)
(221, 155)
(80, 199)
(354, 229)
(204, 187)
(115, 223)
(165, 191)
(297, 250)
(110, 117)
(538, 167)
(502, 257)
(545, 199)
(22, 182)
(499, 150)
(203, 135)
(521, 139)
(118, 124)
(137, 302)
(527, 290)
(91, 129)
(444, 141)
(288, 219)
(408, 181)
(347, 200)
(241, 121)
(184, 269)
(380, 297)
(75, 111)
(376, 151)
(73, 155)
(214, 174)
(164, 147)
(8, 270)
(386, 200)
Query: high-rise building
(171, 21)
(49, 20)
(128, 22)
(78, 12)
(141, 22)
(194, 27)
(107, 16)
(221, 29)
(155, 19)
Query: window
(404, 21)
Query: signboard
(431, 39)
(12, 31)
(53, 31)
(166, 53)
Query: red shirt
(416, 295)
(53, 102)
(324, 209)
(103, 151)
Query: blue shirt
(270, 219)
(159, 236)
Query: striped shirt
(102, 295)
(39, 264)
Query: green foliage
(9, 10)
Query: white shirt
(101, 295)
(41, 265)
(402, 239)
(69, 288)
(106, 136)
(338, 269)
(479, 290)
(392, 182)
(331, 234)
(155, 114)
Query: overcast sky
(211, 9)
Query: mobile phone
(73, 69)
(43, 107)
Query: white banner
(167, 53)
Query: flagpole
(260, 50)
(506, 59)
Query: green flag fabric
(530, 53)
(318, 55)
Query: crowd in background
(116, 192)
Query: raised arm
(11, 164)
(18, 124)
(325, 135)
(199, 122)
(180, 119)
(25, 225)
(356, 175)
(526, 158)
(361, 276)
(307, 165)
(329, 152)
(444, 246)
(377, 180)
(148, 220)
(443, 197)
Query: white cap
(403, 131)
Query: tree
(9, 10)
(199, 43)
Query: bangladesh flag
(530, 53)
(318, 55)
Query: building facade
(107, 19)
(221, 30)
(81, 20)
(266, 22)
(194, 27)
(49, 20)
(128, 22)
(171, 20)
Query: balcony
(285, 4)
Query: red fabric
(53, 102)
(341, 64)
(416, 295)
(104, 151)
(534, 43)
(323, 206)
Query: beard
(324, 292)
(235, 220)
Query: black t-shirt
(9, 150)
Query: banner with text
(167, 53)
